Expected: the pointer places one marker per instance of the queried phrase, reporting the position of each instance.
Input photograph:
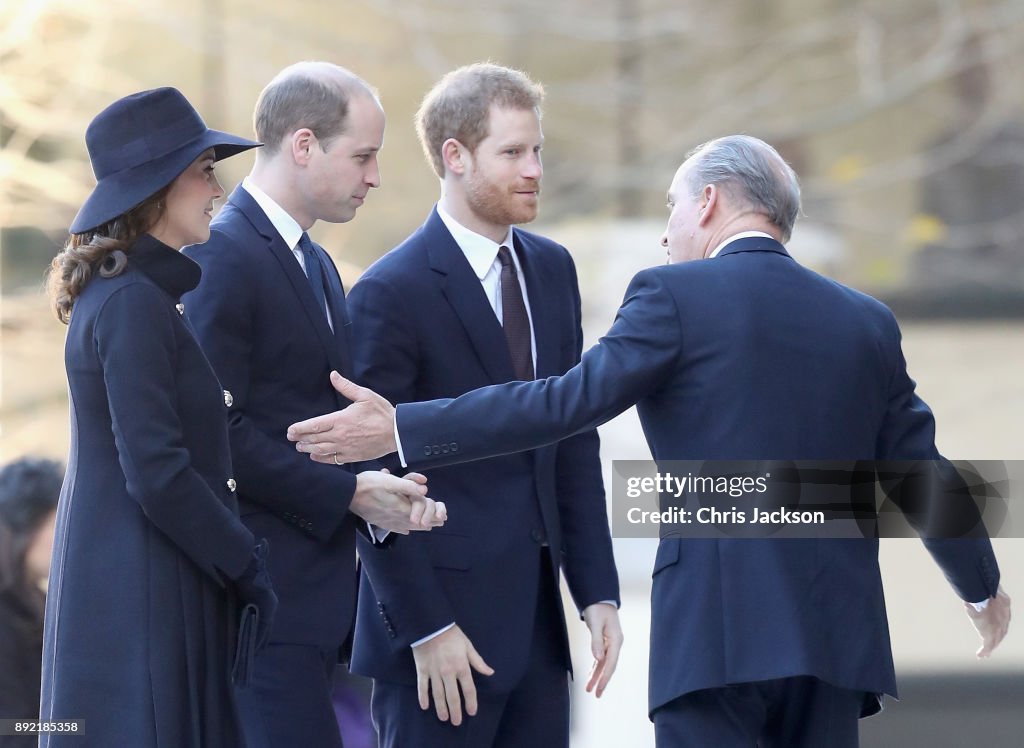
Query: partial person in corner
(29, 488)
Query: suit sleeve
(400, 572)
(927, 489)
(269, 469)
(632, 360)
(135, 342)
(587, 557)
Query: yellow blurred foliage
(925, 228)
(883, 271)
(847, 169)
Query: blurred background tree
(870, 100)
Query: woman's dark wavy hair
(29, 489)
(102, 250)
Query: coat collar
(171, 270)
(480, 251)
(543, 288)
(334, 343)
(281, 220)
(461, 287)
(753, 244)
(243, 201)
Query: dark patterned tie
(314, 271)
(515, 320)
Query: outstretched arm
(629, 362)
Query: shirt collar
(286, 226)
(734, 237)
(479, 250)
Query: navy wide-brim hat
(139, 145)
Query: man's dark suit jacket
(425, 329)
(744, 356)
(272, 348)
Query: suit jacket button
(228, 399)
(426, 451)
(180, 307)
(537, 535)
(232, 485)
(436, 450)
(454, 446)
(444, 449)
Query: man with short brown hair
(471, 620)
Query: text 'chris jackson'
(667, 484)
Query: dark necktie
(514, 319)
(313, 271)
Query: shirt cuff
(437, 633)
(377, 533)
(979, 606)
(401, 454)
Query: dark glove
(258, 602)
(254, 588)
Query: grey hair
(751, 169)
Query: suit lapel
(245, 203)
(542, 290)
(339, 315)
(465, 295)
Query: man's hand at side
(992, 623)
(365, 430)
(605, 643)
(396, 504)
(444, 665)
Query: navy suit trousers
(534, 714)
(289, 701)
(798, 712)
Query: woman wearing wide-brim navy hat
(152, 569)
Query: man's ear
(302, 142)
(710, 196)
(454, 156)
